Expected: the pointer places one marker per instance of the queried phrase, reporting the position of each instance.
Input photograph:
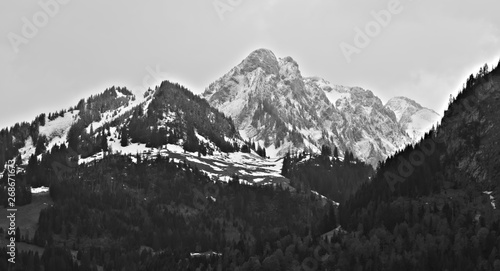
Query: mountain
(415, 119)
(272, 104)
(166, 164)
(166, 181)
(169, 121)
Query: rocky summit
(273, 104)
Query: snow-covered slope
(56, 130)
(370, 130)
(274, 105)
(159, 111)
(415, 119)
(250, 168)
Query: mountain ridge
(273, 104)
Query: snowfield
(250, 167)
(56, 130)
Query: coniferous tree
(124, 137)
(41, 120)
(261, 151)
(347, 156)
(286, 165)
(245, 148)
(40, 145)
(104, 141)
(191, 143)
(73, 137)
(326, 150)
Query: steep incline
(274, 105)
(415, 119)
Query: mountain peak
(400, 99)
(261, 58)
(272, 104)
(408, 103)
(415, 119)
(263, 52)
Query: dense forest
(326, 173)
(153, 214)
(429, 207)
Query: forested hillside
(327, 173)
(153, 214)
(432, 205)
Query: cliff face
(274, 105)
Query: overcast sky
(78, 48)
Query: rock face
(415, 119)
(272, 104)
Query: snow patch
(27, 150)
(491, 198)
(39, 190)
(56, 130)
(325, 198)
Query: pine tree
(104, 141)
(346, 156)
(486, 69)
(124, 137)
(72, 137)
(245, 148)
(261, 151)
(155, 138)
(191, 143)
(41, 119)
(286, 165)
(326, 150)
